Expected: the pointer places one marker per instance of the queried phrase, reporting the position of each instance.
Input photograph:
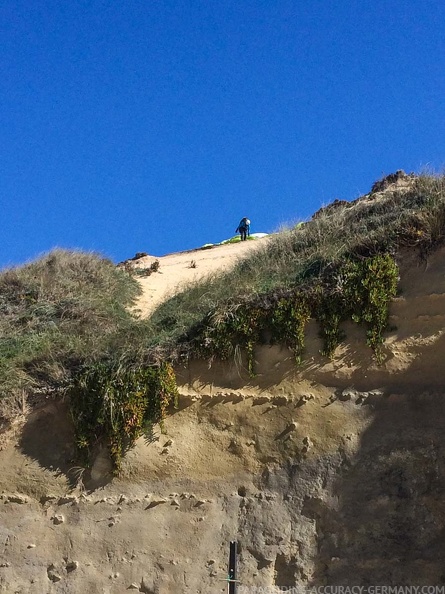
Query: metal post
(232, 568)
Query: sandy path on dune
(179, 269)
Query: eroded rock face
(332, 473)
(362, 504)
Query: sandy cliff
(329, 473)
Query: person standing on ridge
(243, 228)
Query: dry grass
(58, 312)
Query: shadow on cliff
(420, 367)
(389, 527)
(354, 364)
(48, 438)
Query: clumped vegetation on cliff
(117, 402)
(66, 326)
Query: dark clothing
(243, 228)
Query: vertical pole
(232, 567)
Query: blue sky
(155, 126)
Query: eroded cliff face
(329, 473)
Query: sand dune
(177, 270)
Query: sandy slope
(177, 270)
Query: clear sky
(155, 125)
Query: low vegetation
(66, 326)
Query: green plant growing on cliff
(288, 321)
(115, 403)
(370, 284)
(227, 330)
(330, 310)
(360, 290)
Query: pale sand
(183, 268)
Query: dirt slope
(332, 473)
(183, 268)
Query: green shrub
(369, 287)
(288, 320)
(116, 402)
